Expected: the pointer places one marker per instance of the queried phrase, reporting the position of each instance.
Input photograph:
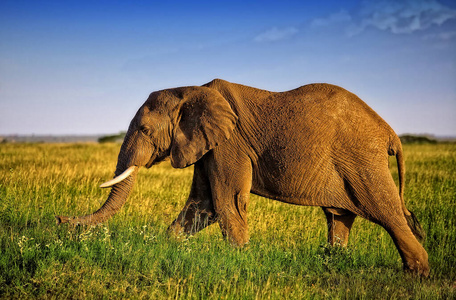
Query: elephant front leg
(198, 212)
(233, 219)
(196, 215)
(339, 223)
(231, 182)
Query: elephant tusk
(119, 178)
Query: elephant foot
(176, 232)
(238, 236)
(61, 220)
(418, 266)
(339, 223)
(414, 256)
(418, 269)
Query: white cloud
(339, 17)
(274, 34)
(395, 16)
(402, 16)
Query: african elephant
(316, 145)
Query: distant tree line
(118, 138)
(417, 139)
(115, 138)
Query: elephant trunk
(117, 197)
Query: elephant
(316, 145)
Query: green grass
(130, 256)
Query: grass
(130, 256)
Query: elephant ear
(205, 120)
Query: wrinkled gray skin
(317, 145)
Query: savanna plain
(130, 256)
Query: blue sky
(85, 67)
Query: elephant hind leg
(377, 199)
(339, 223)
(414, 257)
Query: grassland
(131, 257)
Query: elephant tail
(412, 220)
(415, 226)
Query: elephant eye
(146, 130)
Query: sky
(85, 67)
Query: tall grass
(130, 256)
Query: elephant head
(182, 123)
